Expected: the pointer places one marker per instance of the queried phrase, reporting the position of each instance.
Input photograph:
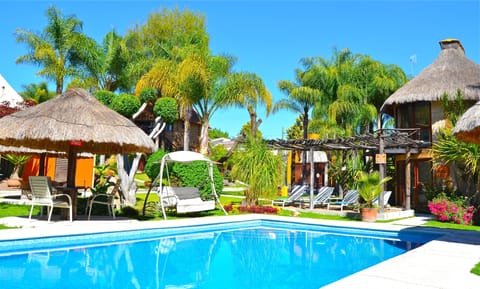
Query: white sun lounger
(295, 195)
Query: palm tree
(105, 66)
(56, 49)
(212, 71)
(301, 100)
(247, 90)
(36, 92)
(354, 87)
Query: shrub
(251, 209)
(152, 167)
(447, 210)
(196, 175)
(167, 109)
(125, 104)
(129, 212)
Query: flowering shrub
(450, 211)
(251, 209)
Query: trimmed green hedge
(196, 175)
(187, 175)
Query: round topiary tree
(104, 96)
(148, 95)
(125, 104)
(167, 109)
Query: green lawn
(152, 213)
(476, 270)
(438, 224)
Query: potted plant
(369, 187)
(18, 161)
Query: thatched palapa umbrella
(452, 70)
(468, 126)
(73, 122)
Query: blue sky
(269, 37)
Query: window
(415, 115)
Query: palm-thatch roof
(468, 126)
(75, 116)
(451, 71)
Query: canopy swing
(184, 199)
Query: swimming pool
(249, 254)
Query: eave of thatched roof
(468, 126)
(451, 71)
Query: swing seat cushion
(188, 200)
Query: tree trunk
(204, 138)
(127, 180)
(254, 124)
(186, 131)
(59, 88)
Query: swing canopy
(193, 203)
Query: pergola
(381, 142)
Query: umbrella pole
(71, 171)
(41, 165)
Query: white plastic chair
(41, 189)
(107, 199)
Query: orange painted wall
(83, 175)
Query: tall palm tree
(301, 99)
(247, 90)
(55, 49)
(355, 87)
(105, 65)
(213, 85)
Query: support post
(381, 172)
(407, 180)
(312, 176)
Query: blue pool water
(254, 254)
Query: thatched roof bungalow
(417, 105)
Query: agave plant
(18, 161)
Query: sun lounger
(350, 199)
(295, 195)
(386, 197)
(323, 196)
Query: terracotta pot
(369, 214)
(14, 183)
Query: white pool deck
(443, 263)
